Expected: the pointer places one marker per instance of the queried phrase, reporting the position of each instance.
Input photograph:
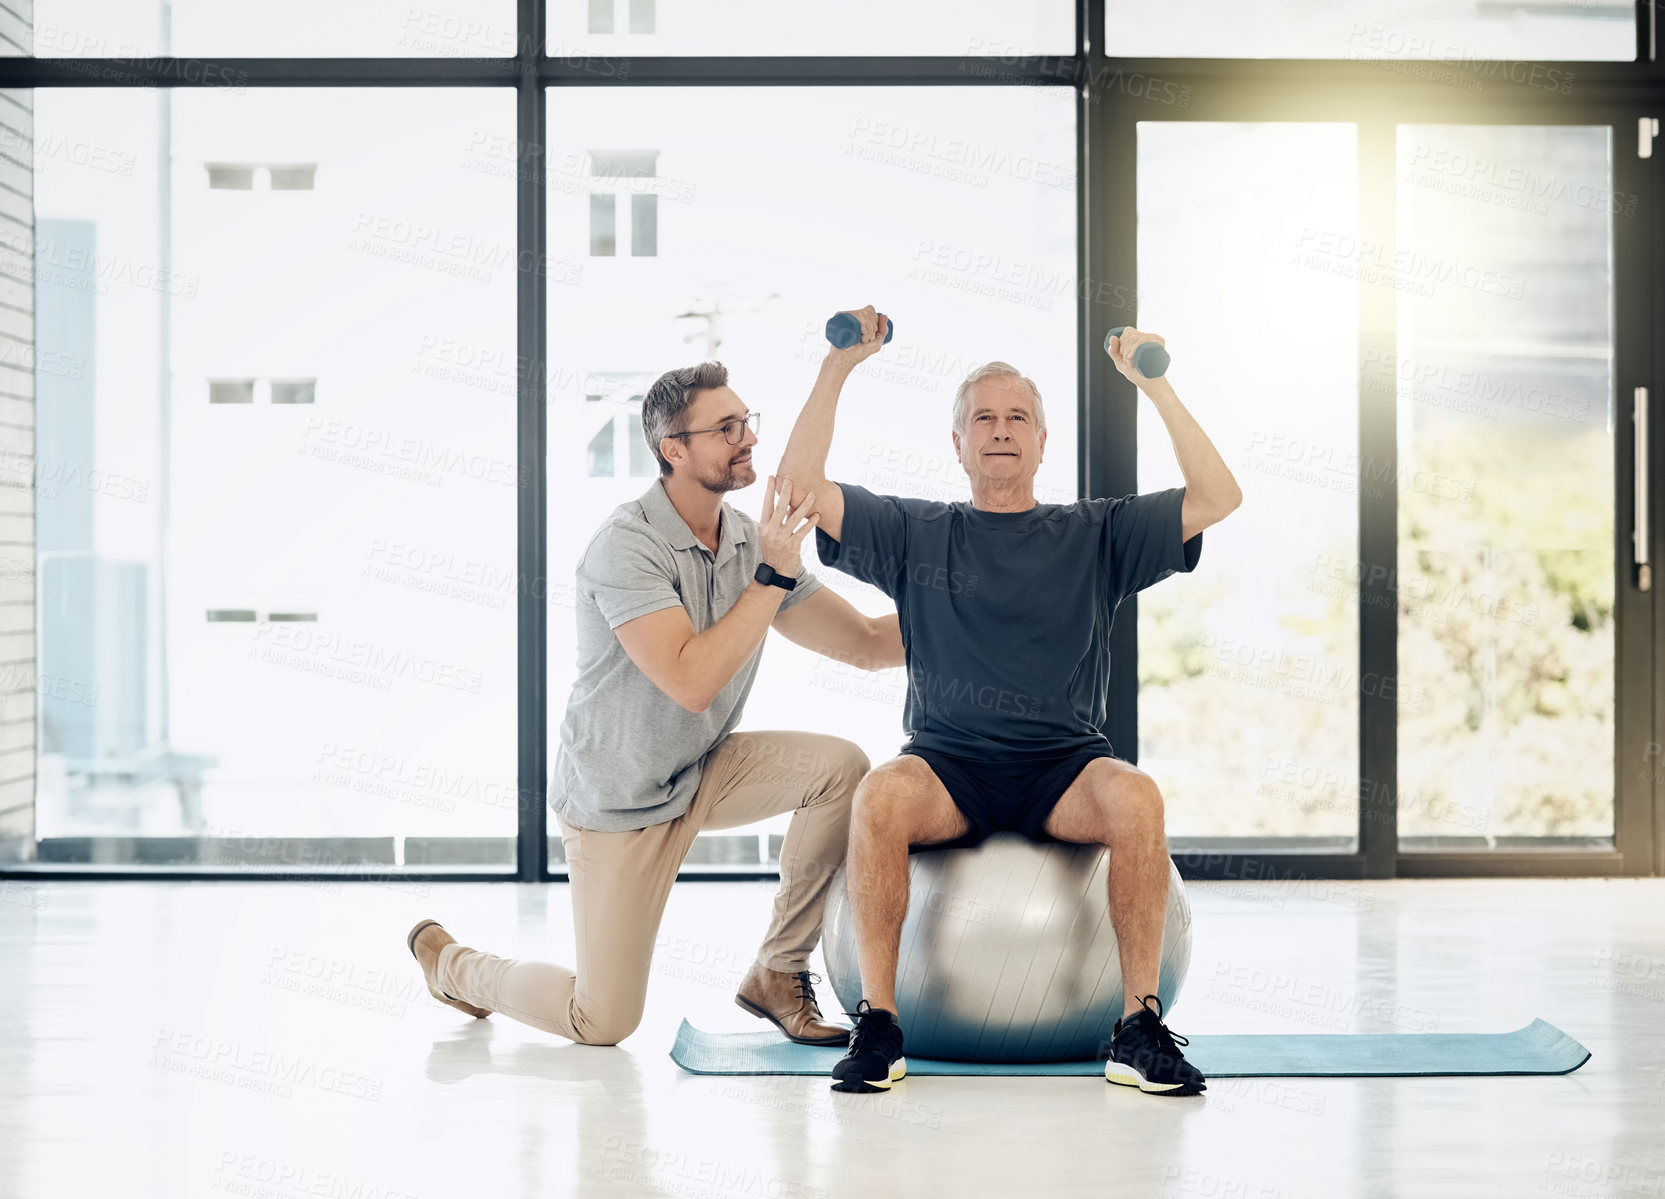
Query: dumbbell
(1149, 359)
(844, 330)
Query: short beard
(723, 485)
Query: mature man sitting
(1007, 595)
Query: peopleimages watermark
(957, 158)
(886, 466)
(1315, 787)
(325, 870)
(438, 572)
(1512, 185)
(1405, 269)
(767, 1092)
(1630, 973)
(1382, 586)
(1580, 1177)
(703, 963)
(1251, 881)
(431, 31)
(1300, 676)
(891, 687)
(571, 172)
(1264, 876)
(860, 560)
(1024, 282)
(43, 361)
(430, 247)
(1028, 284)
(306, 647)
(652, 1170)
(267, 1071)
(1653, 764)
(384, 451)
(1478, 393)
(1057, 70)
(260, 1176)
(47, 475)
(1447, 62)
(1310, 460)
(49, 149)
(1224, 1094)
(128, 63)
(77, 267)
(1189, 1180)
(24, 895)
(411, 781)
(912, 365)
(372, 989)
(450, 252)
(497, 368)
(17, 676)
(1311, 1001)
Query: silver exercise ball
(1007, 954)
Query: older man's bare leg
(898, 803)
(1115, 804)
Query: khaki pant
(620, 882)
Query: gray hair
(665, 407)
(994, 370)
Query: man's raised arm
(804, 461)
(1211, 491)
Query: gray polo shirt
(629, 754)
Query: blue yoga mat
(1539, 1048)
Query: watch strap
(769, 576)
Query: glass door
(1248, 234)
(1507, 410)
(1421, 639)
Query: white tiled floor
(184, 1039)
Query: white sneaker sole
(1126, 1076)
(898, 1071)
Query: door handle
(1639, 492)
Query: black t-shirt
(1006, 615)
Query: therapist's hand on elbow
(783, 527)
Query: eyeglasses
(733, 431)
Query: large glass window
(1248, 668)
(952, 209)
(262, 350)
(139, 29)
(276, 474)
(1472, 46)
(602, 35)
(1504, 377)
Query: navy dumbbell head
(1149, 359)
(844, 330)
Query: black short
(1016, 794)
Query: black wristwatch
(767, 574)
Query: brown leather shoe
(788, 1002)
(434, 945)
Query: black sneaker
(1144, 1054)
(875, 1058)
